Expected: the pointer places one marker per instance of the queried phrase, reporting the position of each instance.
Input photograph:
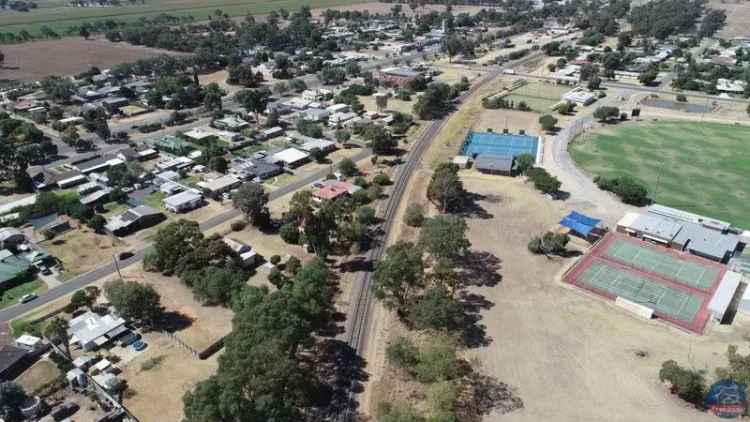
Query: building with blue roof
(495, 152)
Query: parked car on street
(27, 298)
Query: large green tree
(134, 301)
(252, 199)
(398, 275)
(444, 237)
(445, 189)
(56, 331)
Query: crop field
(59, 18)
(698, 167)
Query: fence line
(180, 342)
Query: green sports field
(59, 18)
(698, 167)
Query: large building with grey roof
(702, 236)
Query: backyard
(698, 167)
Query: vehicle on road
(27, 298)
(125, 255)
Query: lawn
(61, 18)
(113, 208)
(699, 167)
(10, 297)
(155, 200)
(539, 96)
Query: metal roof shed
(494, 163)
(724, 293)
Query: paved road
(108, 269)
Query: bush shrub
(414, 215)
(689, 385)
(238, 225)
(627, 189)
(381, 179)
(289, 233)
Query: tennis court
(689, 273)
(666, 301)
(499, 144)
(676, 286)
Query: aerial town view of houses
(394, 211)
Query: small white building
(290, 157)
(579, 96)
(339, 108)
(247, 254)
(30, 343)
(337, 119)
(724, 294)
(183, 201)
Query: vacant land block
(698, 167)
(81, 250)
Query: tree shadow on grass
(474, 333)
(481, 268)
(470, 206)
(483, 394)
(173, 321)
(340, 372)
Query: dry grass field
(197, 325)
(738, 15)
(81, 250)
(570, 356)
(157, 392)
(37, 60)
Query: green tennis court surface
(688, 273)
(665, 300)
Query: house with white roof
(290, 157)
(91, 330)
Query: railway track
(361, 311)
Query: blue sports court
(499, 144)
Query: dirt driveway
(569, 356)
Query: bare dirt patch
(570, 356)
(37, 60)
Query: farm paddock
(36, 60)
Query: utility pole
(117, 266)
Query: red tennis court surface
(678, 288)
